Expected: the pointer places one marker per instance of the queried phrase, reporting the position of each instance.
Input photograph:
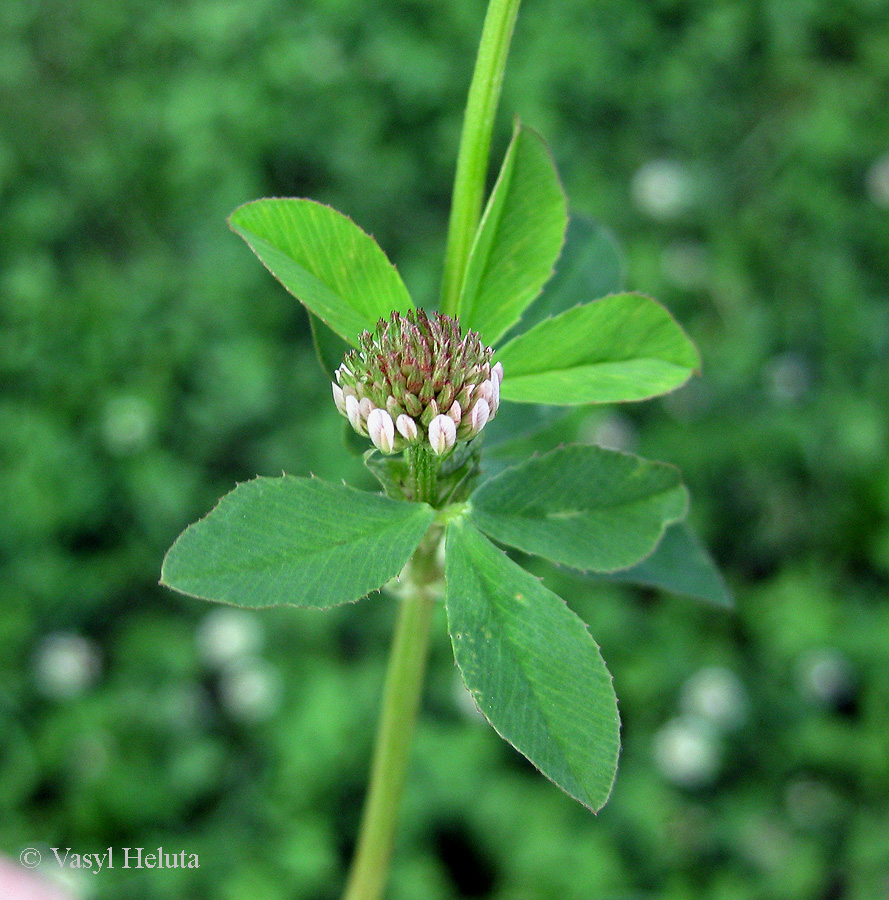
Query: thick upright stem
(401, 700)
(475, 146)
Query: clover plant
(421, 387)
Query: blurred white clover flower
(225, 636)
(877, 181)
(128, 424)
(66, 665)
(827, 676)
(613, 431)
(687, 752)
(251, 691)
(716, 695)
(788, 377)
(663, 188)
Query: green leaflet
(325, 260)
(330, 348)
(589, 266)
(531, 666)
(518, 240)
(295, 541)
(620, 348)
(680, 565)
(582, 506)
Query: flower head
(412, 373)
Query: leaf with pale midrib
(518, 239)
(583, 506)
(295, 541)
(620, 348)
(531, 666)
(589, 266)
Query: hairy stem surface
(401, 700)
(424, 474)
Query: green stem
(424, 473)
(401, 699)
(407, 664)
(475, 146)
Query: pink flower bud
(339, 398)
(442, 434)
(407, 427)
(416, 367)
(479, 416)
(381, 430)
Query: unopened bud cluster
(417, 379)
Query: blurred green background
(739, 152)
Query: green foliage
(325, 260)
(296, 542)
(583, 506)
(589, 266)
(518, 239)
(329, 346)
(620, 348)
(681, 565)
(532, 667)
(148, 364)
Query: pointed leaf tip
(518, 240)
(680, 565)
(532, 667)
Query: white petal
(353, 412)
(442, 434)
(339, 398)
(494, 401)
(498, 372)
(407, 427)
(485, 391)
(455, 412)
(479, 416)
(366, 406)
(381, 429)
